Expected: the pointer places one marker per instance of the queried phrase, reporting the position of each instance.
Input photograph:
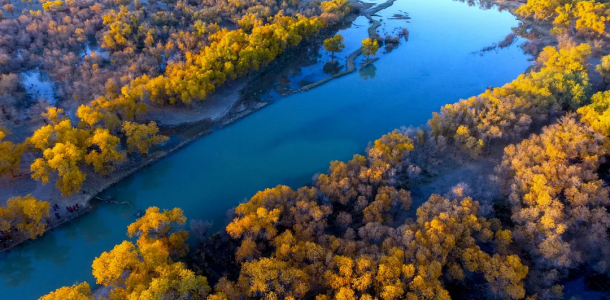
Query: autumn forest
(386, 224)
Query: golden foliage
(556, 195)
(25, 214)
(10, 154)
(80, 291)
(369, 47)
(106, 152)
(140, 137)
(147, 271)
(334, 44)
(64, 159)
(508, 112)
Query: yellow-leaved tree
(597, 114)
(558, 201)
(604, 68)
(106, 151)
(334, 44)
(10, 154)
(64, 159)
(147, 270)
(63, 148)
(539, 9)
(140, 137)
(334, 10)
(591, 17)
(80, 291)
(369, 47)
(26, 214)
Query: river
(290, 140)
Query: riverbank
(543, 38)
(184, 126)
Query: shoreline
(238, 109)
(350, 64)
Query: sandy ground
(214, 108)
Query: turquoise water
(288, 141)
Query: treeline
(337, 239)
(135, 39)
(557, 201)
(232, 53)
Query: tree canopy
(369, 47)
(334, 44)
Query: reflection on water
(129, 193)
(289, 141)
(51, 250)
(482, 4)
(71, 232)
(318, 64)
(153, 182)
(17, 270)
(89, 229)
(332, 68)
(94, 229)
(367, 72)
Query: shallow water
(97, 50)
(39, 86)
(315, 71)
(289, 141)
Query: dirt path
(214, 108)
